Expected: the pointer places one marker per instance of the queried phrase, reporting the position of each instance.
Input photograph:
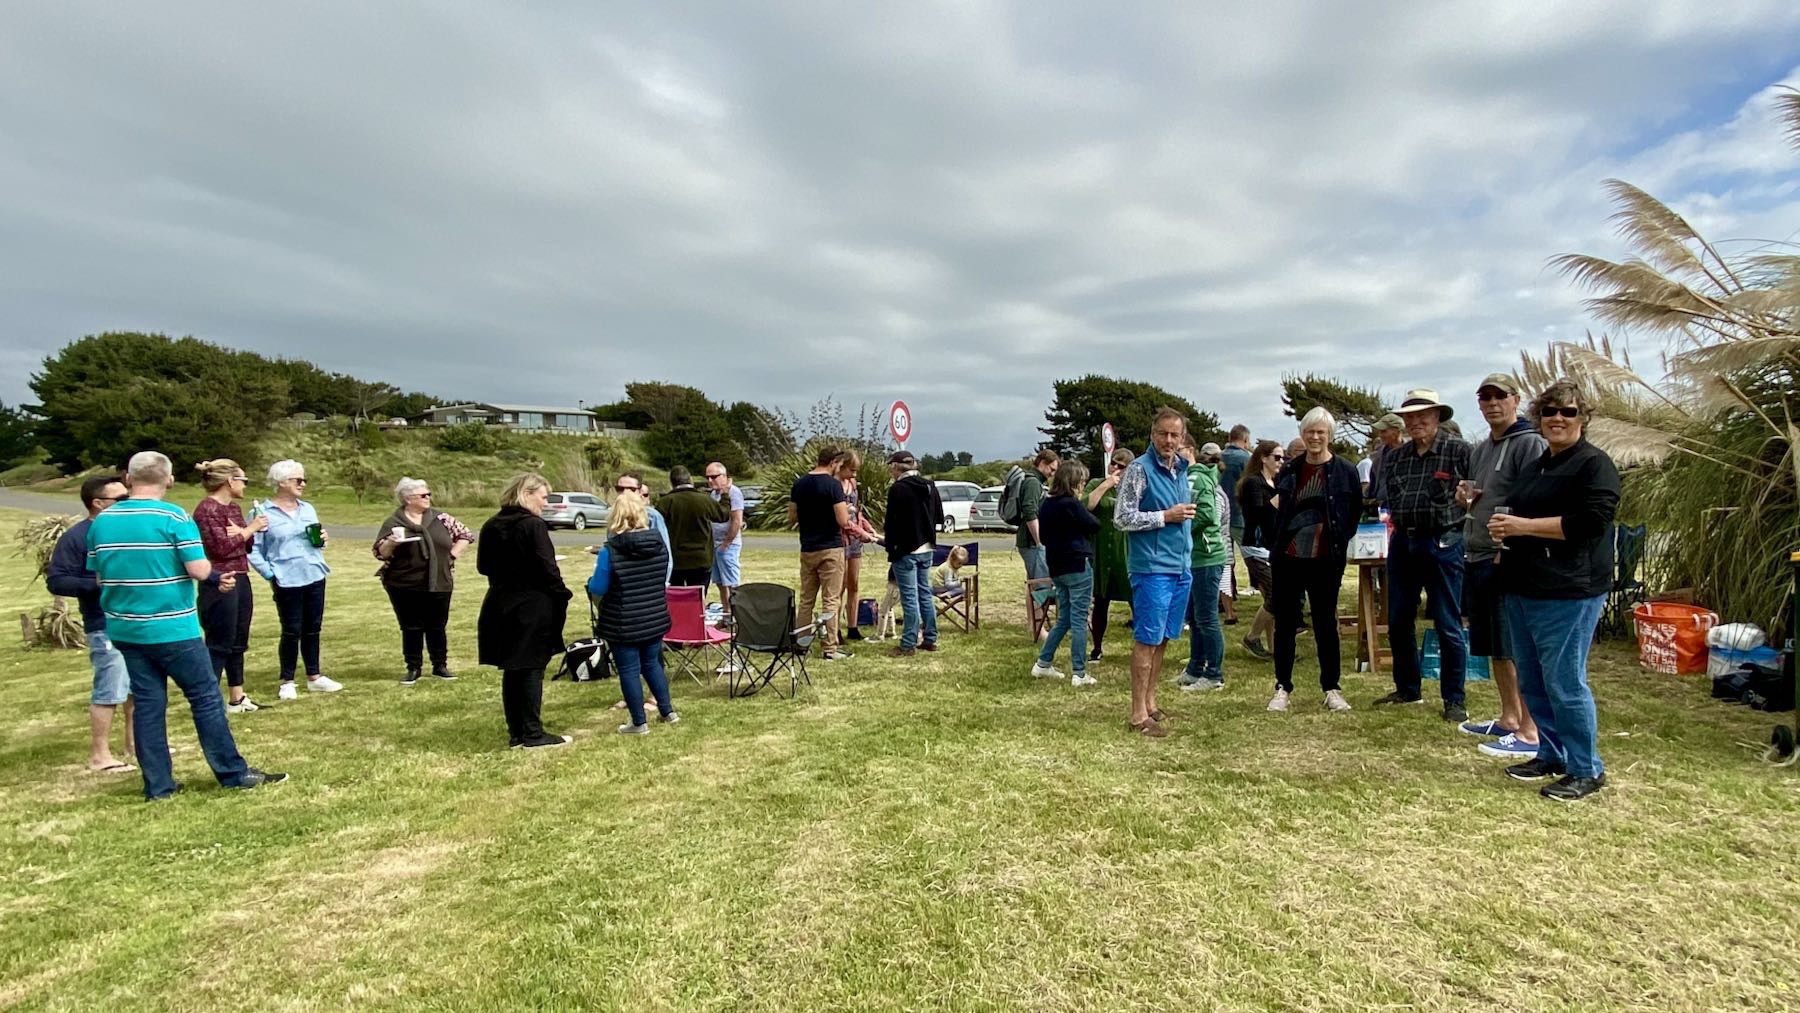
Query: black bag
(586, 661)
(1771, 688)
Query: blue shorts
(1159, 604)
(725, 569)
(112, 683)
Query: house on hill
(517, 417)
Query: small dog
(890, 608)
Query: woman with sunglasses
(1111, 580)
(1556, 567)
(418, 548)
(1256, 498)
(290, 555)
(225, 536)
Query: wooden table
(1369, 624)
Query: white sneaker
(244, 706)
(1044, 672)
(1279, 702)
(1203, 684)
(1334, 700)
(287, 692)
(323, 684)
(1082, 680)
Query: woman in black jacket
(418, 549)
(1556, 567)
(1320, 497)
(521, 624)
(634, 609)
(1068, 531)
(1256, 498)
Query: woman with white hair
(418, 548)
(1320, 498)
(290, 555)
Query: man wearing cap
(914, 513)
(1426, 552)
(1495, 464)
(1389, 433)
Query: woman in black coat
(1320, 497)
(521, 625)
(629, 579)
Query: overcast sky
(951, 204)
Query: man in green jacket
(1212, 553)
(690, 515)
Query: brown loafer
(928, 647)
(1148, 728)
(901, 652)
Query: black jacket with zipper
(1581, 486)
(1343, 504)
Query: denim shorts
(1159, 604)
(725, 569)
(112, 683)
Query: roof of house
(526, 408)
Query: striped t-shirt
(139, 551)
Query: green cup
(315, 535)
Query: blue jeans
(1432, 564)
(302, 612)
(638, 664)
(189, 664)
(913, 574)
(1036, 566)
(1550, 641)
(1206, 638)
(1074, 594)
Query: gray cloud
(773, 202)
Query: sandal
(116, 767)
(1148, 728)
(1159, 715)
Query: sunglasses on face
(1491, 395)
(625, 488)
(1278, 457)
(421, 495)
(710, 478)
(299, 481)
(1566, 411)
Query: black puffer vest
(635, 610)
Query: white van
(958, 499)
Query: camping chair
(961, 609)
(690, 643)
(765, 640)
(1629, 547)
(1040, 604)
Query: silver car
(985, 514)
(577, 510)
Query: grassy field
(939, 833)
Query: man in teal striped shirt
(146, 560)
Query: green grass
(941, 833)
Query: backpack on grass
(585, 661)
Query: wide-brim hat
(1420, 398)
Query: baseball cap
(1500, 381)
(904, 457)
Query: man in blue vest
(1155, 509)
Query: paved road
(22, 499)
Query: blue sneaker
(1492, 729)
(1509, 747)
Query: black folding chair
(1629, 547)
(766, 641)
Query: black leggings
(1097, 621)
(302, 611)
(1296, 581)
(225, 616)
(422, 616)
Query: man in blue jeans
(146, 555)
(914, 512)
(1419, 483)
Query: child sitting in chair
(947, 578)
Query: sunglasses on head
(1566, 411)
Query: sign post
(1109, 440)
(900, 422)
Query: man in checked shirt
(1419, 480)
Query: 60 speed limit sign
(900, 422)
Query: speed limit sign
(900, 422)
(1109, 440)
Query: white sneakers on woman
(1279, 702)
(1334, 700)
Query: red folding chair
(690, 643)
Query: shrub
(472, 438)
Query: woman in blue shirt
(290, 554)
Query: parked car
(985, 514)
(753, 495)
(578, 510)
(958, 498)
